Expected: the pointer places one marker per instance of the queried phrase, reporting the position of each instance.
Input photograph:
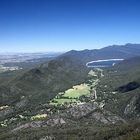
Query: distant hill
(130, 63)
(110, 52)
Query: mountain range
(111, 102)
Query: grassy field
(73, 94)
(77, 91)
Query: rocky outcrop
(21, 103)
(47, 138)
(33, 124)
(5, 112)
(94, 113)
(132, 109)
(55, 121)
(82, 110)
(103, 117)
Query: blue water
(103, 63)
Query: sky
(62, 25)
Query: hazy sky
(61, 25)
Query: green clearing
(62, 101)
(77, 91)
(71, 95)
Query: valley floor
(79, 113)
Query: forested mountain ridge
(62, 94)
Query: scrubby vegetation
(72, 102)
(88, 132)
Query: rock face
(21, 104)
(55, 121)
(80, 111)
(5, 112)
(104, 117)
(34, 124)
(133, 107)
(112, 118)
(93, 112)
(47, 138)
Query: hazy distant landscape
(17, 61)
(23, 57)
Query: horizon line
(14, 52)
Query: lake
(103, 63)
